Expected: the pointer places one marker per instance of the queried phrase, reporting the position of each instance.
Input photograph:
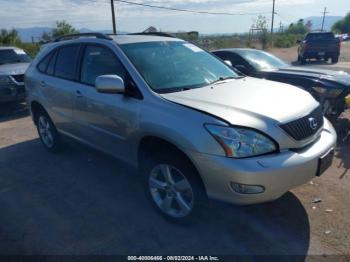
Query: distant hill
(26, 34)
(317, 22)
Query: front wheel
(174, 188)
(335, 59)
(48, 133)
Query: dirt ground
(83, 202)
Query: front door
(106, 121)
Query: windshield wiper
(222, 78)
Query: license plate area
(321, 53)
(325, 162)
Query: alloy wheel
(45, 131)
(171, 191)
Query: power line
(185, 10)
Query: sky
(96, 14)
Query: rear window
(66, 62)
(320, 37)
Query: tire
(335, 59)
(47, 131)
(173, 187)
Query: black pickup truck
(319, 45)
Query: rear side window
(99, 61)
(44, 63)
(51, 67)
(66, 62)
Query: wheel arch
(151, 144)
(36, 107)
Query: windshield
(262, 61)
(10, 56)
(175, 66)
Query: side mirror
(109, 84)
(298, 41)
(228, 62)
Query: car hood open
(245, 100)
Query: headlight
(4, 80)
(329, 91)
(240, 142)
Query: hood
(13, 69)
(331, 75)
(248, 100)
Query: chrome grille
(304, 127)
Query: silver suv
(13, 63)
(193, 126)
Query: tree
(261, 24)
(61, 28)
(298, 29)
(343, 25)
(9, 37)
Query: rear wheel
(173, 187)
(47, 132)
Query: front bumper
(277, 173)
(12, 93)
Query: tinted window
(44, 63)
(66, 62)
(320, 37)
(51, 67)
(99, 61)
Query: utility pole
(113, 17)
(272, 20)
(324, 16)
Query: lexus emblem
(313, 123)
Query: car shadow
(342, 126)
(12, 111)
(84, 202)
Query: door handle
(42, 83)
(78, 94)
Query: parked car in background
(13, 64)
(319, 45)
(193, 125)
(328, 87)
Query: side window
(51, 67)
(66, 62)
(44, 63)
(97, 61)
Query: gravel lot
(83, 202)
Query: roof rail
(73, 36)
(154, 34)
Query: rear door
(58, 85)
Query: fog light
(247, 189)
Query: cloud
(96, 14)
